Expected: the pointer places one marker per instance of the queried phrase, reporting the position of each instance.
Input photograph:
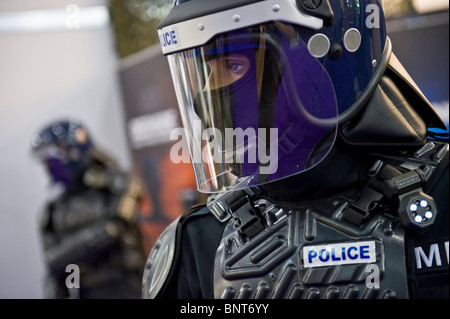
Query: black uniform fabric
(431, 282)
(199, 233)
(192, 274)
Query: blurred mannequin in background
(90, 234)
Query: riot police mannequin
(90, 235)
(345, 193)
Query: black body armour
(350, 245)
(361, 243)
(311, 252)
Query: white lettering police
(339, 254)
(167, 38)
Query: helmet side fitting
(396, 110)
(392, 110)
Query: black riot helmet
(264, 86)
(65, 148)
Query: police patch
(339, 254)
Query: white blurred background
(49, 69)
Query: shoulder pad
(159, 262)
(163, 254)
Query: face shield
(256, 107)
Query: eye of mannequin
(228, 70)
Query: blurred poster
(421, 43)
(151, 113)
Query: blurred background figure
(90, 232)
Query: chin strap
(241, 206)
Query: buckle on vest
(240, 207)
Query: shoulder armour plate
(159, 262)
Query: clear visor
(256, 107)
